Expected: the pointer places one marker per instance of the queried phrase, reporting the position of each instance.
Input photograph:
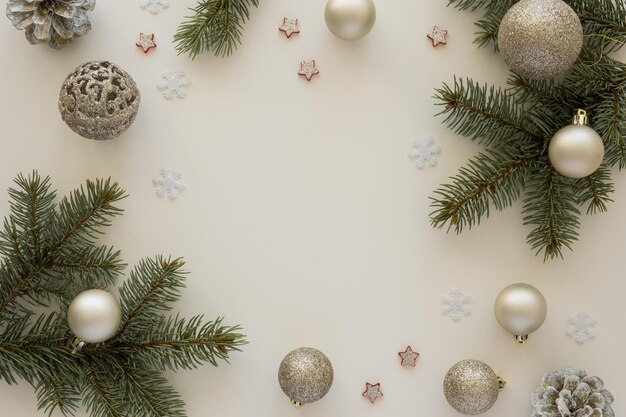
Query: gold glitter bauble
(99, 100)
(540, 39)
(350, 20)
(471, 387)
(305, 375)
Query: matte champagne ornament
(576, 150)
(94, 316)
(521, 309)
(471, 387)
(350, 20)
(305, 375)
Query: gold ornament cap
(580, 118)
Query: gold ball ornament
(521, 309)
(99, 100)
(94, 316)
(472, 387)
(350, 20)
(576, 150)
(540, 39)
(305, 375)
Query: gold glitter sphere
(540, 39)
(99, 100)
(305, 375)
(471, 387)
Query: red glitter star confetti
(408, 357)
(438, 36)
(308, 69)
(372, 392)
(146, 42)
(289, 27)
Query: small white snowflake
(173, 84)
(456, 304)
(581, 327)
(154, 6)
(168, 183)
(424, 152)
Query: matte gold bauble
(305, 375)
(576, 150)
(540, 39)
(472, 387)
(94, 316)
(521, 309)
(350, 19)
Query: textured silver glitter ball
(471, 387)
(305, 375)
(540, 39)
(99, 100)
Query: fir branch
(153, 286)
(176, 343)
(550, 208)
(595, 190)
(487, 115)
(493, 178)
(215, 26)
(69, 233)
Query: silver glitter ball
(305, 375)
(540, 39)
(99, 100)
(471, 387)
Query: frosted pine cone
(571, 393)
(55, 22)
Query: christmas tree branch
(492, 178)
(216, 25)
(550, 208)
(595, 190)
(488, 116)
(152, 287)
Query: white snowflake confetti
(581, 327)
(424, 152)
(168, 183)
(456, 304)
(154, 6)
(173, 84)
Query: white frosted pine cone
(571, 393)
(55, 22)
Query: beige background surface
(303, 219)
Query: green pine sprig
(516, 125)
(50, 253)
(214, 26)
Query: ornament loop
(580, 118)
(521, 338)
(297, 404)
(501, 383)
(76, 344)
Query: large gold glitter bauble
(350, 19)
(540, 39)
(99, 100)
(305, 375)
(471, 387)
